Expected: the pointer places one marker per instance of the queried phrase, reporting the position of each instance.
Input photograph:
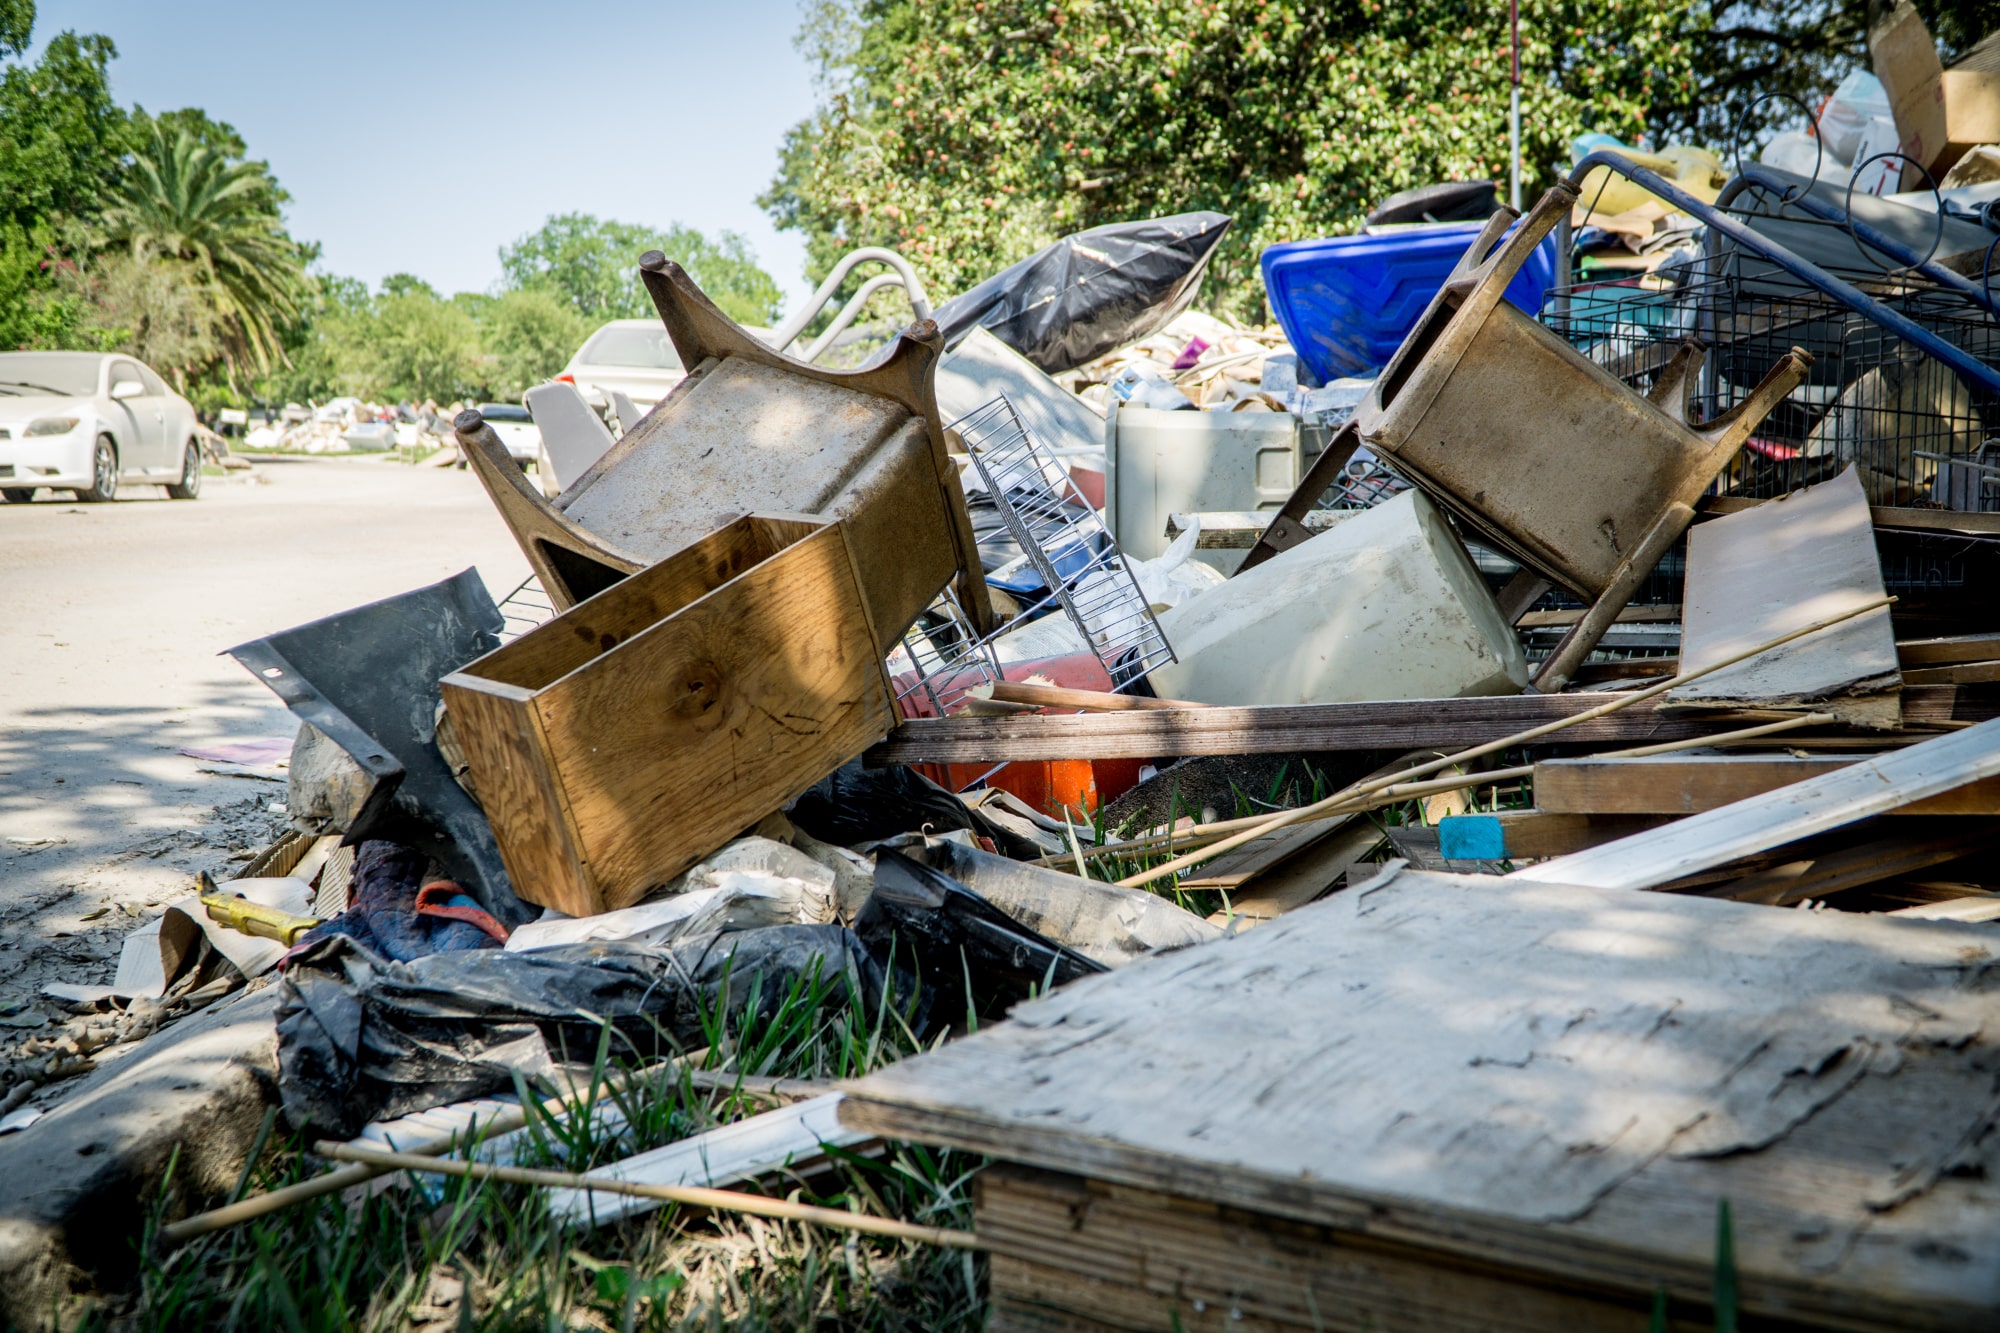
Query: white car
(85, 421)
(516, 430)
(632, 356)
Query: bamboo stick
(1340, 798)
(734, 1201)
(1058, 696)
(1201, 834)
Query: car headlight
(50, 426)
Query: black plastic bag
(854, 805)
(953, 950)
(361, 1038)
(1092, 292)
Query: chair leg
(1584, 636)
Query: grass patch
(452, 1253)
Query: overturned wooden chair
(1541, 453)
(751, 430)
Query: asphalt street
(109, 666)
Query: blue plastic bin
(1347, 302)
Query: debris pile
(1587, 583)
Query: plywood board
(1561, 1080)
(1763, 573)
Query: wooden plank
(1524, 835)
(1631, 615)
(1736, 598)
(1682, 784)
(1960, 673)
(1948, 650)
(1399, 725)
(1882, 516)
(1309, 873)
(1871, 862)
(1716, 837)
(1556, 1080)
(1388, 725)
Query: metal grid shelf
(1067, 543)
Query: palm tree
(183, 200)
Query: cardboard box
(1971, 114)
(1906, 60)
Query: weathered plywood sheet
(1493, 1067)
(1780, 567)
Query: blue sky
(421, 136)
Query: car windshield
(71, 374)
(646, 349)
(504, 412)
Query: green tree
(158, 309)
(528, 335)
(594, 264)
(416, 346)
(60, 132)
(967, 132)
(185, 201)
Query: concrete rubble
(933, 671)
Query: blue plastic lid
(1347, 302)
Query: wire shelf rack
(525, 608)
(1067, 543)
(940, 661)
(1911, 424)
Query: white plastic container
(1385, 606)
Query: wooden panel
(522, 798)
(1073, 1253)
(693, 730)
(1687, 785)
(1389, 725)
(594, 627)
(1554, 1080)
(1769, 571)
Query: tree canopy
(594, 265)
(965, 133)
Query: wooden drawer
(619, 743)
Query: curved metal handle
(920, 302)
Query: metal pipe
(1811, 274)
(1514, 111)
(1867, 233)
(920, 302)
(849, 312)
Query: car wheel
(17, 495)
(103, 472)
(189, 486)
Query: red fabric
(434, 899)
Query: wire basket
(1067, 543)
(1872, 399)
